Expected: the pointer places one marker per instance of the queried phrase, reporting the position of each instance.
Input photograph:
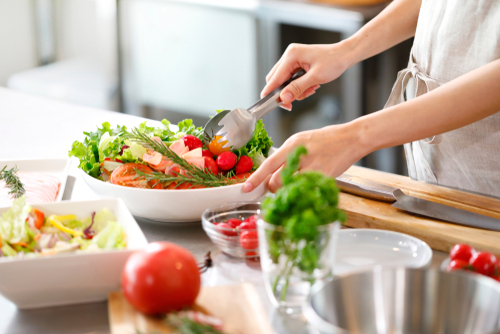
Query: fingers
(308, 92)
(297, 87)
(269, 166)
(275, 180)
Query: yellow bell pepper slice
(55, 221)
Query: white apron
(453, 37)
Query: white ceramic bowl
(70, 278)
(361, 249)
(180, 205)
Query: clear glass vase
(290, 269)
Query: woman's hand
(331, 150)
(323, 63)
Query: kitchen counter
(33, 127)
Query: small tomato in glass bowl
(233, 228)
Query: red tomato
(249, 239)
(39, 218)
(461, 252)
(226, 160)
(192, 142)
(234, 222)
(207, 153)
(125, 175)
(457, 265)
(210, 164)
(244, 165)
(252, 219)
(241, 177)
(484, 263)
(248, 226)
(161, 278)
(226, 229)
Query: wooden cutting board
(365, 213)
(238, 306)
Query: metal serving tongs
(238, 125)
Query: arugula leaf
(258, 147)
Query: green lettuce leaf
(13, 222)
(110, 236)
(258, 147)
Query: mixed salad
(163, 158)
(26, 231)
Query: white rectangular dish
(70, 278)
(55, 167)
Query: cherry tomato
(192, 142)
(252, 219)
(461, 252)
(244, 165)
(207, 153)
(187, 185)
(125, 175)
(484, 263)
(234, 222)
(211, 165)
(247, 226)
(226, 229)
(457, 265)
(161, 278)
(249, 239)
(226, 160)
(216, 148)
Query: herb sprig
(12, 181)
(194, 175)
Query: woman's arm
(333, 149)
(327, 62)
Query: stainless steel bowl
(405, 301)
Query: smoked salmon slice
(40, 188)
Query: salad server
(381, 192)
(238, 125)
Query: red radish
(211, 165)
(226, 160)
(225, 229)
(244, 165)
(233, 222)
(207, 153)
(192, 142)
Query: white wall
(17, 38)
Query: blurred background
(179, 59)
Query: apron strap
(418, 166)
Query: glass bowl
(240, 243)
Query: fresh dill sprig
(194, 175)
(12, 181)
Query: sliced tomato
(39, 218)
(126, 176)
(241, 177)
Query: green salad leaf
(13, 222)
(258, 147)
